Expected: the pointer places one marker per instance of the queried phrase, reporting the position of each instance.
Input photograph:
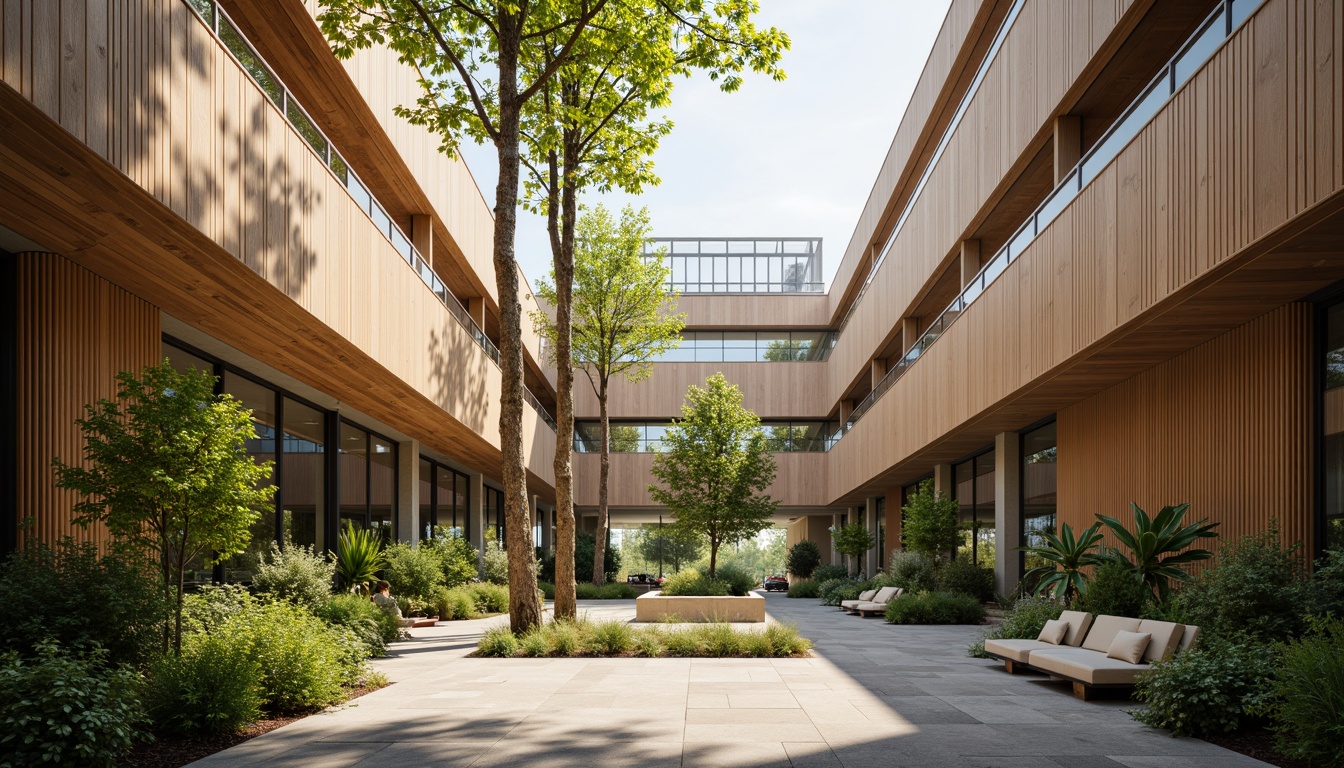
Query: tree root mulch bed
(176, 751)
(1258, 742)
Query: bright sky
(794, 158)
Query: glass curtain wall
(303, 476)
(354, 471)
(494, 515)
(1039, 483)
(974, 480)
(1332, 526)
(264, 403)
(443, 499)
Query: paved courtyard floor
(872, 694)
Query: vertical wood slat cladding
(76, 332)
(1208, 177)
(194, 132)
(1058, 40)
(1225, 427)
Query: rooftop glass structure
(741, 264)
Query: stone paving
(872, 694)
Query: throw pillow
(1054, 631)
(1129, 646)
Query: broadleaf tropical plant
(359, 556)
(1160, 545)
(1065, 555)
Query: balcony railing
(740, 264)
(251, 62)
(1192, 55)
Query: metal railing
(1193, 53)
(251, 62)
(740, 264)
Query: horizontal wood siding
(76, 331)
(1225, 427)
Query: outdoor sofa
(864, 597)
(1108, 652)
(879, 602)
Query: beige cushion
(886, 594)
(1053, 631)
(1129, 646)
(1189, 637)
(1079, 623)
(1165, 637)
(1015, 650)
(864, 597)
(1104, 629)
(1085, 666)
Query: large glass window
(494, 515)
(382, 485)
(647, 437)
(1039, 482)
(1334, 429)
(975, 501)
(354, 468)
(262, 401)
(303, 478)
(766, 346)
(443, 499)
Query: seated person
(383, 600)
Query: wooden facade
(75, 332)
(1226, 427)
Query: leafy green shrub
(454, 604)
(1025, 620)
(60, 707)
(611, 638)
(489, 598)
(966, 578)
(1114, 591)
(613, 591)
(535, 642)
(296, 573)
(809, 588)
(1306, 696)
(829, 572)
(802, 559)
(374, 626)
(413, 572)
(833, 591)
(1209, 689)
(692, 582)
(1327, 584)
(303, 659)
(935, 608)
(1257, 586)
(213, 687)
(739, 581)
(457, 556)
(213, 605)
(495, 563)
(359, 556)
(910, 571)
(499, 642)
(547, 589)
(71, 595)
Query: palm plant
(1065, 556)
(1159, 545)
(359, 556)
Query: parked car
(642, 578)
(776, 584)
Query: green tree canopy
(852, 540)
(670, 547)
(165, 468)
(930, 523)
(715, 468)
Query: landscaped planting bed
(617, 638)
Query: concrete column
(970, 261)
(534, 515)
(408, 492)
(1007, 510)
(547, 529)
(1068, 144)
(422, 237)
(476, 516)
(909, 333)
(874, 555)
(877, 368)
(837, 521)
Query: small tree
(166, 469)
(930, 526)
(803, 559)
(674, 550)
(622, 320)
(852, 540)
(715, 468)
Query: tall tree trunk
(600, 548)
(524, 609)
(560, 223)
(713, 556)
